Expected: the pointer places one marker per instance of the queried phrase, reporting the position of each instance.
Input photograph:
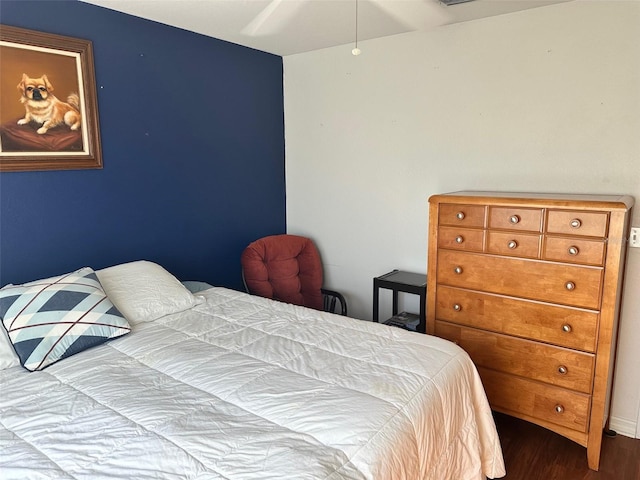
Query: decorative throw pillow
(51, 319)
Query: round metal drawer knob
(559, 409)
(457, 307)
(514, 219)
(566, 328)
(512, 244)
(573, 250)
(457, 270)
(562, 370)
(460, 215)
(570, 286)
(459, 239)
(575, 223)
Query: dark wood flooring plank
(534, 453)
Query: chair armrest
(330, 299)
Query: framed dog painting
(48, 104)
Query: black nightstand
(400, 281)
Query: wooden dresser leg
(593, 451)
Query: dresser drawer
(564, 326)
(576, 222)
(461, 215)
(538, 400)
(574, 285)
(510, 218)
(461, 239)
(574, 250)
(515, 244)
(539, 361)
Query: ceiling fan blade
(432, 13)
(273, 18)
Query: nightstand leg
(395, 302)
(423, 313)
(375, 302)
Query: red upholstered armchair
(288, 268)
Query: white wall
(542, 100)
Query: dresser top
(534, 199)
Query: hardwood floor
(534, 453)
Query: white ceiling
(286, 27)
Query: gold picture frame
(41, 130)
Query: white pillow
(8, 357)
(143, 291)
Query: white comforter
(241, 387)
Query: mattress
(241, 387)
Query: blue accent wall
(192, 135)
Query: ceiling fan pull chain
(356, 50)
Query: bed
(224, 385)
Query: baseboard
(623, 426)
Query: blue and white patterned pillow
(51, 319)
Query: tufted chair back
(285, 268)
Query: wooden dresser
(529, 285)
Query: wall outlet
(634, 237)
